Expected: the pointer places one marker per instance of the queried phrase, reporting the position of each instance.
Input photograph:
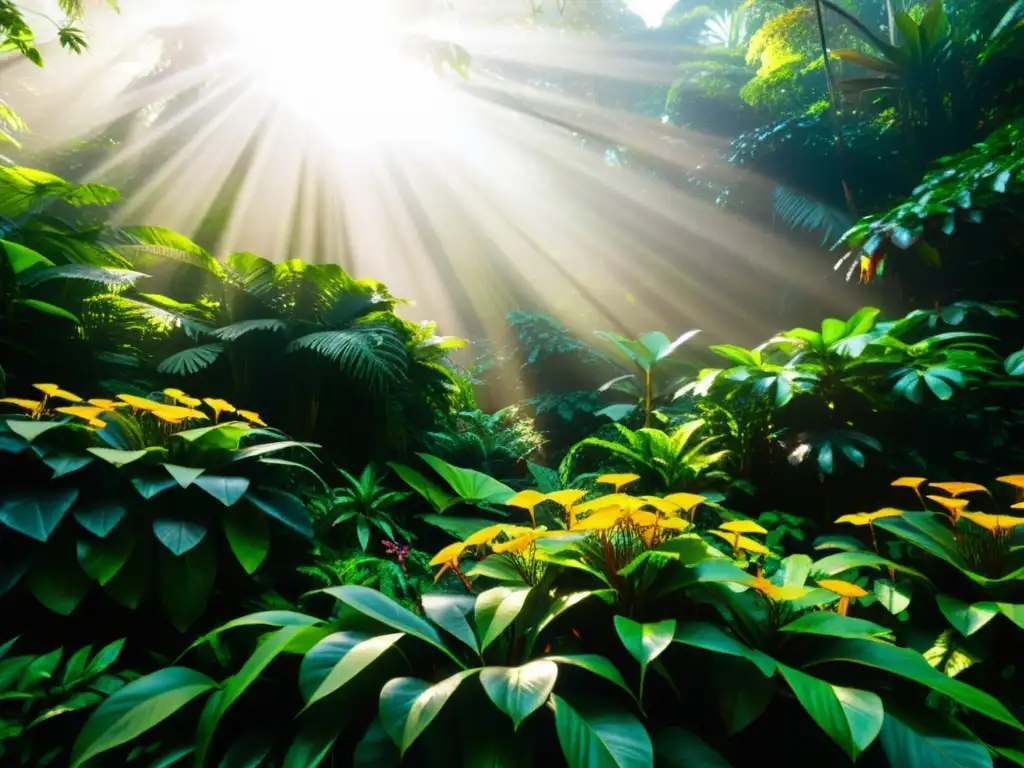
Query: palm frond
(191, 361)
(162, 243)
(238, 330)
(801, 212)
(369, 353)
(112, 278)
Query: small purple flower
(399, 550)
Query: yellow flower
(140, 403)
(601, 520)
(449, 554)
(175, 414)
(527, 500)
(28, 405)
(251, 416)
(1015, 480)
(621, 500)
(994, 523)
(845, 590)
(688, 502)
(664, 506)
(567, 499)
(491, 532)
(742, 526)
(107, 405)
(775, 592)
(88, 413)
(955, 489)
(219, 406)
(953, 506)
(866, 518)
(619, 481)
(674, 524)
(739, 542)
(520, 543)
(909, 482)
(180, 397)
(52, 390)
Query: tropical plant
(497, 443)
(122, 493)
(646, 353)
(364, 503)
(43, 697)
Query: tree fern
(371, 354)
(190, 361)
(801, 212)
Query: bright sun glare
(338, 66)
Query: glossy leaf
(497, 608)
(676, 748)
(38, 513)
(852, 718)
(101, 559)
(835, 625)
(928, 743)
(451, 613)
(601, 737)
(100, 517)
(597, 665)
(283, 507)
(137, 707)
(186, 583)
(408, 705)
(59, 584)
(179, 536)
(227, 490)
(248, 535)
(471, 486)
(700, 634)
(337, 659)
(520, 691)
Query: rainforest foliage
(250, 515)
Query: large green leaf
(184, 476)
(645, 642)
(676, 748)
(451, 613)
(832, 565)
(101, 559)
(49, 309)
(186, 583)
(283, 507)
(700, 634)
(179, 536)
(227, 490)
(742, 692)
(597, 665)
(315, 738)
(929, 743)
(37, 513)
(601, 737)
(372, 603)
(65, 463)
(137, 707)
(248, 534)
(225, 436)
(852, 718)
(260, 619)
(835, 625)
(131, 583)
(337, 659)
(271, 647)
(120, 458)
(913, 666)
(439, 498)
(968, 619)
(21, 258)
(408, 705)
(497, 608)
(471, 486)
(520, 691)
(58, 582)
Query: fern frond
(238, 330)
(191, 361)
(372, 354)
(111, 278)
(801, 212)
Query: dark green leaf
(337, 659)
(37, 513)
(451, 612)
(186, 583)
(676, 748)
(179, 536)
(928, 743)
(601, 737)
(226, 490)
(248, 534)
(101, 559)
(283, 507)
(408, 705)
(520, 691)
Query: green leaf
(314, 740)
(408, 705)
(101, 559)
(496, 609)
(131, 583)
(597, 665)
(283, 507)
(832, 330)
(700, 634)
(21, 258)
(236, 685)
(65, 463)
(438, 498)
(107, 655)
(75, 666)
(36, 514)
(186, 583)
(248, 534)
(261, 619)
(179, 536)
(601, 737)
(150, 484)
(742, 692)
(929, 743)
(185, 476)
(119, 458)
(966, 619)
(1014, 364)
(337, 659)
(833, 565)
(911, 665)
(645, 642)
(676, 748)
(226, 490)
(58, 583)
(472, 487)
(249, 751)
(520, 691)
(893, 597)
(100, 517)
(137, 707)
(372, 603)
(835, 625)
(30, 430)
(450, 612)
(219, 437)
(375, 749)
(852, 718)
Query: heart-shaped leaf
(37, 513)
(337, 659)
(520, 691)
(179, 536)
(408, 705)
